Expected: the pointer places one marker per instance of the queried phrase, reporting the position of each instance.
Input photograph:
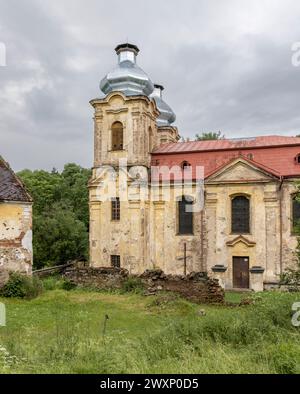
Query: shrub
(291, 278)
(53, 283)
(22, 286)
(133, 285)
(68, 285)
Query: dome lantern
(127, 77)
(167, 116)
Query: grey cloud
(225, 66)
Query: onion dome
(167, 116)
(127, 77)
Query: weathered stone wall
(15, 239)
(99, 278)
(196, 287)
(263, 246)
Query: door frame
(233, 271)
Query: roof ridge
(13, 189)
(264, 141)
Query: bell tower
(125, 119)
(125, 130)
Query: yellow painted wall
(147, 234)
(16, 237)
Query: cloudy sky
(225, 64)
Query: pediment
(241, 239)
(241, 171)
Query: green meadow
(85, 331)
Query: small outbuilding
(15, 224)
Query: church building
(225, 207)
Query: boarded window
(296, 215)
(185, 216)
(115, 209)
(117, 136)
(240, 215)
(115, 261)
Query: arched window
(240, 215)
(297, 159)
(185, 165)
(185, 216)
(296, 214)
(117, 136)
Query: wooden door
(241, 272)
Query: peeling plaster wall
(15, 237)
(147, 237)
(264, 248)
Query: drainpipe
(184, 259)
(202, 235)
(281, 224)
(202, 240)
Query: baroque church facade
(224, 207)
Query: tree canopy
(60, 214)
(209, 136)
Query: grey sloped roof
(11, 188)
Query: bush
(22, 286)
(53, 283)
(68, 285)
(133, 285)
(291, 278)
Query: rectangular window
(296, 216)
(115, 261)
(115, 209)
(186, 226)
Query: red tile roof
(277, 153)
(228, 144)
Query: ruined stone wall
(196, 287)
(15, 238)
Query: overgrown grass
(63, 332)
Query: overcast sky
(225, 64)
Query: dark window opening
(117, 136)
(297, 159)
(185, 165)
(186, 219)
(115, 209)
(115, 261)
(296, 215)
(240, 215)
